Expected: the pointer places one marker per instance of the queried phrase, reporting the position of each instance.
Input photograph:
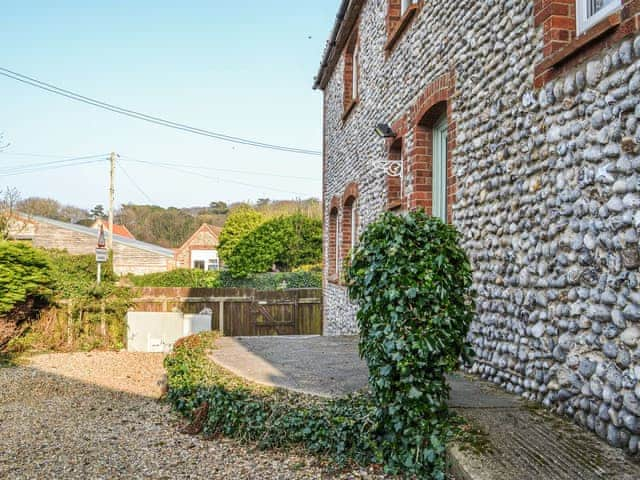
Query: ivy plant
(412, 282)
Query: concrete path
(323, 366)
(524, 441)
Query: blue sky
(243, 68)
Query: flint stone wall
(548, 199)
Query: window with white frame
(198, 264)
(354, 224)
(356, 71)
(590, 12)
(337, 247)
(405, 4)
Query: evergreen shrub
(412, 282)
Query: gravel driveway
(96, 415)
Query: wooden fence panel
(245, 312)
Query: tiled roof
(122, 231)
(123, 240)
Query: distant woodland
(168, 227)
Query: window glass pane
(439, 183)
(590, 12)
(354, 226)
(594, 6)
(336, 244)
(354, 80)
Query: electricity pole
(112, 191)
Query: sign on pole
(102, 255)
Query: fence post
(221, 322)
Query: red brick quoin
(563, 49)
(349, 199)
(334, 209)
(431, 106)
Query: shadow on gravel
(56, 426)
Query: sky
(241, 68)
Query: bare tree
(9, 198)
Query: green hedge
(79, 313)
(178, 278)
(284, 242)
(201, 279)
(340, 429)
(273, 281)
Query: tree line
(168, 227)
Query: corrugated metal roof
(149, 247)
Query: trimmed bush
(178, 278)
(221, 403)
(238, 225)
(273, 281)
(412, 282)
(283, 242)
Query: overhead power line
(217, 179)
(149, 118)
(243, 172)
(27, 166)
(9, 153)
(133, 182)
(51, 167)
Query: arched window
(351, 79)
(349, 224)
(333, 257)
(430, 166)
(430, 178)
(439, 189)
(394, 185)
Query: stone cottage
(518, 122)
(129, 255)
(200, 251)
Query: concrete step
(524, 442)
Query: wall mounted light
(383, 130)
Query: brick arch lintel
(435, 101)
(350, 191)
(336, 203)
(439, 91)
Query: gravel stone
(98, 415)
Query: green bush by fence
(273, 281)
(178, 278)
(224, 279)
(221, 403)
(80, 314)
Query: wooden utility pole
(112, 191)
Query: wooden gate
(243, 312)
(286, 312)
